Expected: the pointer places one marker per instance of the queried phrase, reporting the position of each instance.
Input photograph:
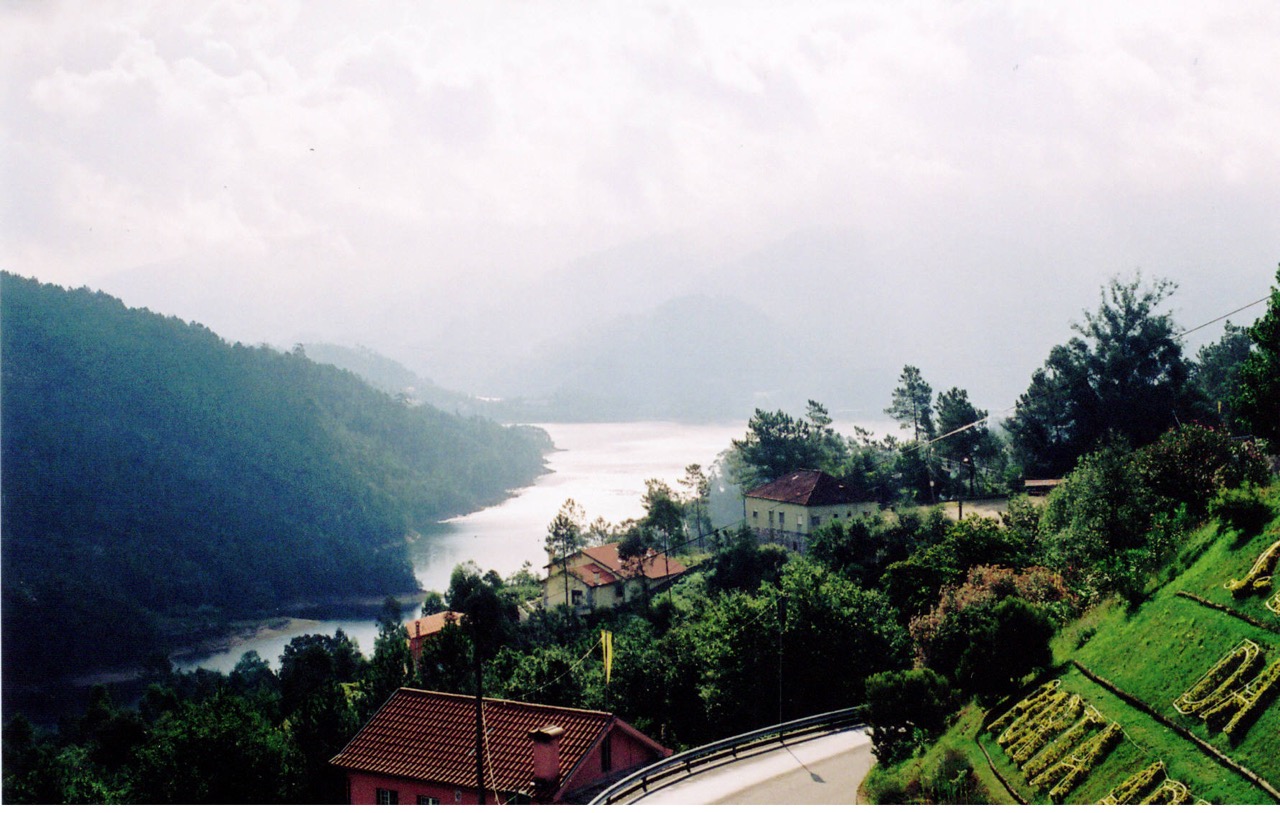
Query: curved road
(826, 770)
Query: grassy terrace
(1157, 653)
(1131, 666)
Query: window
(387, 797)
(755, 515)
(428, 800)
(782, 520)
(577, 597)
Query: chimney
(546, 754)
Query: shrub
(1259, 576)
(905, 709)
(1231, 672)
(953, 781)
(1136, 787)
(1190, 464)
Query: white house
(788, 509)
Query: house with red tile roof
(599, 578)
(420, 629)
(786, 510)
(419, 748)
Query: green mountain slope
(152, 471)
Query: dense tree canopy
(1124, 375)
(1258, 398)
(778, 444)
(152, 470)
(1217, 374)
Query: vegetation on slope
(1131, 662)
(152, 470)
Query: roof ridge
(503, 700)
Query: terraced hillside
(1176, 702)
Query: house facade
(785, 511)
(598, 578)
(419, 748)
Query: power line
(1224, 316)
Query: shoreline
(240, 633)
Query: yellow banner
(606, 647)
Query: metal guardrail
(685, 764)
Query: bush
(987, 644)
(1190, 464)
(953, 782)
(905, 710)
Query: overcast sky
(381, 150)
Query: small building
(1038, 488)
(598, 577)
(785, 511)
(419, 748)
(420, 629)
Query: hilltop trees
(1258, 398)
(1217, 374)
(958, 439)
(887, 469)
(1124, 375)
(777, 444)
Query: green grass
(1230, 557)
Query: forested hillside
(152, 471)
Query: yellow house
(598, 578)
(787, 510)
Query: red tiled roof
(656, 565)
(431, 624)
(593, 573)
(430, 736)
(806, 488)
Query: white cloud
(417, 143)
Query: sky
(962, 175)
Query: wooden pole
(479, 721)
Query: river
(601, 466)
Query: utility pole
(782, 622)
(479, 721)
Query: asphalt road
(823, 771)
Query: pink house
(420, 749)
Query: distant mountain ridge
(392, 377)
(155, 474)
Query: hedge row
(1055, 738)
(1234, 691)
(1259, 576)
